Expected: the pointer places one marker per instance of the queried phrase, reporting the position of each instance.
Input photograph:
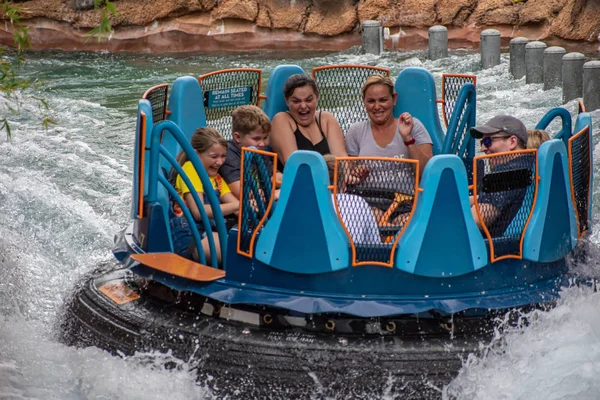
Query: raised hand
(405, 126)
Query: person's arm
(235, 188)
(282, 137)
(189, 200)
(230, 172)
(488, 212)
(334, 135)
(229, 203)
(421, 152)
(351, 140)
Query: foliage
(104, 29)
(11, 83)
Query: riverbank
(208, 25)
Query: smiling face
(302, 104)
(379, 103)
(213, 158)
(498, 143)
(256, 138)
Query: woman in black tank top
(302, 127)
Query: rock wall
(195, 25)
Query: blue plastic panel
(376, 291)
(304, 235)
(417, 95)
(558, 112)
(275, 101)
(552, 230)
(143, 106)
(442, 240)
(186, 104)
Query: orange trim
(340, 66)
(261, 97)
(493, 257)
(174, 264)
(473, 78)
(119, 292)
(570, 155)
(241, 205)
(231, 70)
(398, 235)
(147, 92)
(580, 107)
(269, 206)
(162, 85)
(141, 164)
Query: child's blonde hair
(245, 119)
(535, 138)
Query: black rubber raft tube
(239, 360)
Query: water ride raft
(305, 302)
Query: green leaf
(48, 121)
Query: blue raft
(294, 267)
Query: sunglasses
(488, 140)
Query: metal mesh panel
(451, 85)
(374, 199)
(339, 91)
(226, 90)
(505, 195)
(579, 158)
(460, 137)
(257, 194)
(157, 96)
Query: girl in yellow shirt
(211, 148)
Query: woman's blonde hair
(535, 138)
(377, 80)
(202, 140)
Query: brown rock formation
(175, 25)
(236, 9)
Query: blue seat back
(417, 95)
(275, 101)
(304, 234)
(441, 239)
(553, 217)
(186, 104)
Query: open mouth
(304, 114)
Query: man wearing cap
(501, 134)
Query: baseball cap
(501, 123)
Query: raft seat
(417, 95)
(304, 235)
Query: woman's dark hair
(296, 81)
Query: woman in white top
(355, 213)
(382, 135)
